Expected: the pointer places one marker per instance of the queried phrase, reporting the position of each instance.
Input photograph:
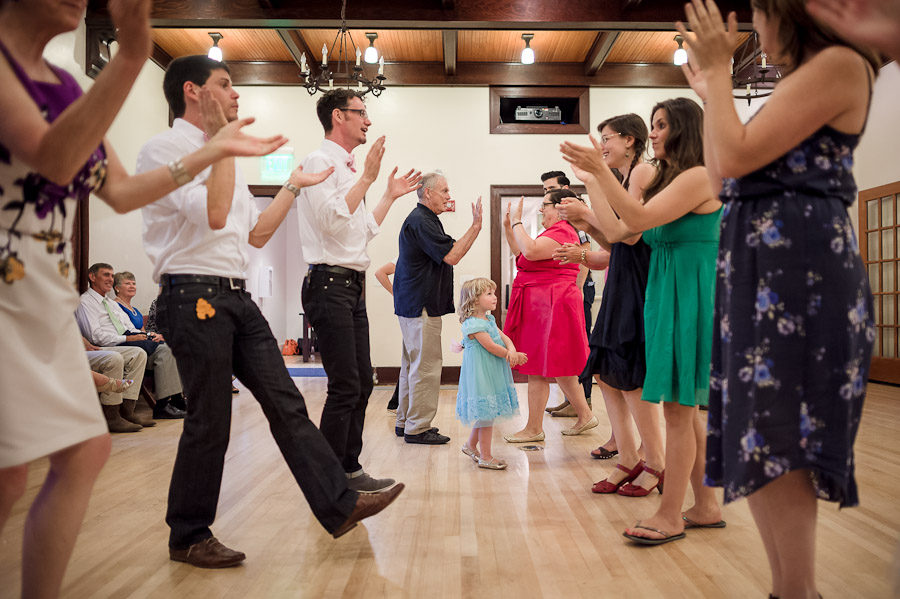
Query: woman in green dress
(680, 220)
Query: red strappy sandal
(604, 486)
(631, 490)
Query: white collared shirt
(95, 323)
(177, 237)
(329, 233)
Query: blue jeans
(237, 339)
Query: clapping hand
(517, 214)
(131, 18)
(568, 252)
(710, 44)
(373, 160)
(476, 213)
(586, 161)
(400, 186)
(506, 219)
(873, 23)
(572, 210)
(212, 113)
(231, 141)
(300, 179)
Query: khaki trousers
(420, 372)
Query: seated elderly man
(103, 322)
(120, 363)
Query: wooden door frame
(882, 369)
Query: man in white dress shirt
(197, 239)
(104, 323)
(335, 228)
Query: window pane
(887, 343)
(888, 312)
(887, 276)
(872, 214)
(887, 245)
(876, 350)
(873, 240)
(874, 279)
(887, 211)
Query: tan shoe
(566, 412)
(115, 423)
(126, 411)
(564, 404)
(531, 439)
(208, 553)
(577, 430)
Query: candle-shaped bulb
(764, 60)
(748, 89)
(331, 85)
(381, 66)
(731, 67)
(303, 62)
(324, 55)
(358, 55)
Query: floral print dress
(793, 330)
(47, 398)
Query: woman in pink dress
(546, 317)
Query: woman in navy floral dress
(793, 314)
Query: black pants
(589, 294)
(237, 338)
(337, 311)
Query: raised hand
(476, 213)
(873, 23)
(212, 113)
(373, 160)
(131, 18)
(574, 211)
(517, 215)
(695, 77)
(400, 186)
(300, 179)
(711, 45)
(589, 160)
(231, 141)
(506, 219)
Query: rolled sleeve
(190, 199)
(327, 205)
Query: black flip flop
(688, 523)
(604, 454)
(667, 538)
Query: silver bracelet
(291, 188)
(179, 173)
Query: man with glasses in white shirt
(335, 228)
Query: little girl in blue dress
(486, 390)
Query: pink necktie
(351, 162)
(205, 137)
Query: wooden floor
(534, 530)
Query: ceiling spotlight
(371, 55)
(527, 52)
(680, 54)
(215, 52)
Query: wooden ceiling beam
(654, 15)
(451, 41)
(481, 74)
(599, 51)
(297, 46)
(160, 57)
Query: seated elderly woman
(545, 318)
(125, 288)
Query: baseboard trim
(389, 375)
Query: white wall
(877, 156)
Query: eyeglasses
(545, 204)
(362, 113)
(605, 138)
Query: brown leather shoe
(126, 411)
(368, 504)
(208, 553)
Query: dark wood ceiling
(432, 42)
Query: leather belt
(221, 282)
(338, 270)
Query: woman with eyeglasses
(545, 319)
(679, 218)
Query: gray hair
(428, 180)
(120, 277)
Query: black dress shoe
(398, 430)
(208, 553)
(429, 437)
(368, 504)
(167, 412)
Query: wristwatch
(291, 188)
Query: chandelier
(343, 74)
(748, 76)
